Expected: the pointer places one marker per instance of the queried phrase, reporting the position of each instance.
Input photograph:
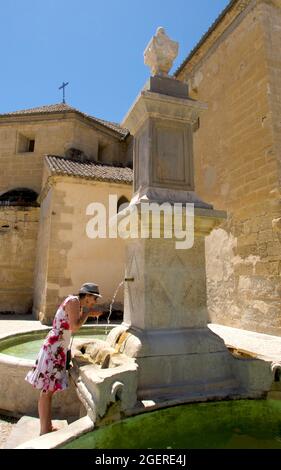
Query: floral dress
(49, 372)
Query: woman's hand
(94, 313)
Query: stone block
(262, 268)
(167, 86)
(274, 249)
(265, 236)
(243, 269)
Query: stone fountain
(179, 358)
(164, 353)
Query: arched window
(122, 203)
(76, 154)
(19, 197)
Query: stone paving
(10, 324)
(266, 347)
(6, 426)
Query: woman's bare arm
(75, 316)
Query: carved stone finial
(160, 53)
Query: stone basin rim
(10, 359)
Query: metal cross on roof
(63, 87)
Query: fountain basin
(17, 356)
(238, 424)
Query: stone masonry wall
(53, 136)
(18, 238)
(236, 167)
(42, 256)
(271, 17)
(25, 169)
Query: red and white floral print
(49, 372)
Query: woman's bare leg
(45, 412)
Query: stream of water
(112, 302)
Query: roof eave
(57, 173)
(53, 172)
(91, 120)
(220, 18)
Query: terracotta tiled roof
(89, 170)
(65, 108)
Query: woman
(49, 373)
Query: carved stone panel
(172, 158)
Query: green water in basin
(239, 424)
(27, 345)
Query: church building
(54, 162)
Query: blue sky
(96, 45)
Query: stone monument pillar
(165, 311)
